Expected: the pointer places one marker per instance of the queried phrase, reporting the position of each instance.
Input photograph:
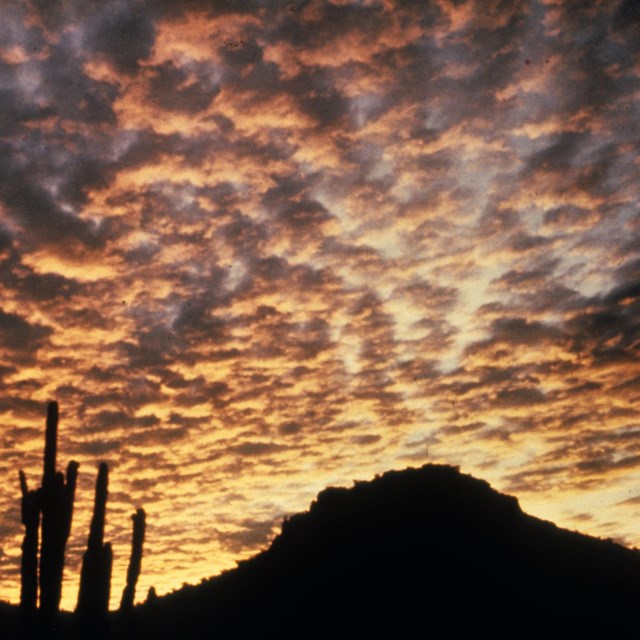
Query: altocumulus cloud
(255, 249)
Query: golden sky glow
(257, 248)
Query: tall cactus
(56, 500)
(48, 511)
(95, 578)
(29, 562)
(135, 561)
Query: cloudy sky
(256, 248)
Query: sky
(258, 248)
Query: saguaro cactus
(95, 578)
(135, 561)
(49, 509)
(57, 512)
(29, 563)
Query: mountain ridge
(413, 553)
(424, 549)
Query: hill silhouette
(412, 553)
(422, 552)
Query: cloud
(255, 448)
(123, 33)
(366, 439)
(606, 325)
(241, 241)
(290, 428)
(38, 212)
(182, 89)
(20, 336)
(519, 397)
(252, 533)
(21, 406)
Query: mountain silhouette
(414, 553)
(426, 552)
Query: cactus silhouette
(95, 578)
(56, 500)
(29, 563)
(135, 561)
(47, 513)
(49, 509)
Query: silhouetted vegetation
(135, 561)
(52, 506)
(48, 511)
(29, 564)
(419, 552)
(95, 579)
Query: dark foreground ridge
(426, 552)
(415, 553)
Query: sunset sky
(257, 248)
